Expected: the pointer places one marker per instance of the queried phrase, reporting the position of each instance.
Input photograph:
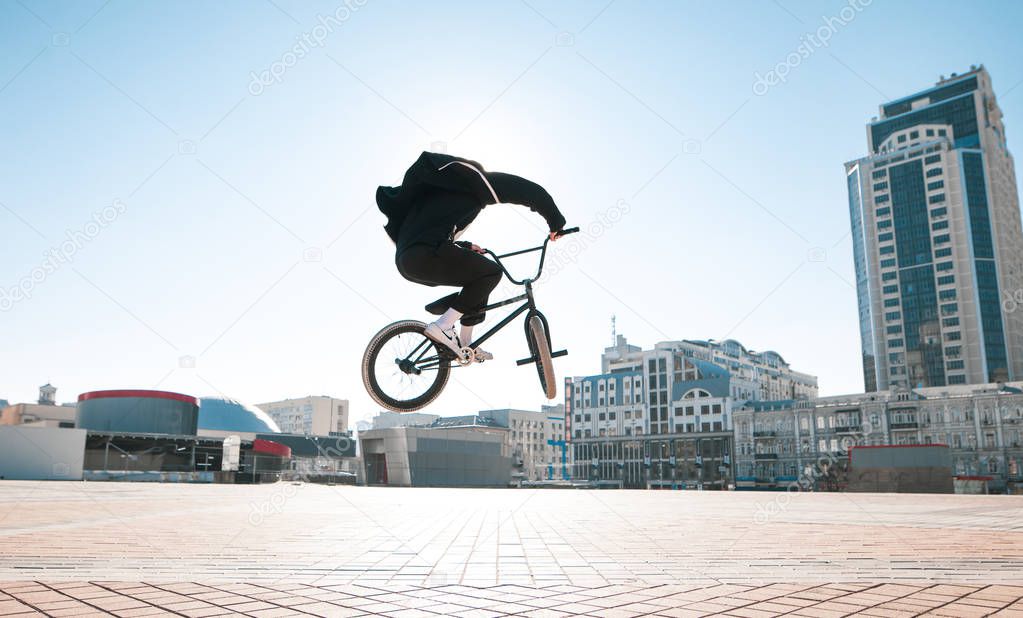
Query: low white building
(311, 416)
(536, 440)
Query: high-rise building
(311, 416)
(937, 243)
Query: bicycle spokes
(406, 365)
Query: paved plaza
(273, 550)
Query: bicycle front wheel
(540, 347)
(403, 369)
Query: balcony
(759, 456)
(848, 429)
(907, 425)
(764, 434)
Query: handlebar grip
(571, 230)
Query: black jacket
(441, 194)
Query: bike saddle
(439, 306)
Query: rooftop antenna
(614, 331)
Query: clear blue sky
(223, 192)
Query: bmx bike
(404, 370)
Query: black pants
(450, 264)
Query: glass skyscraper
(937, 243)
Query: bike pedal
(526, 361)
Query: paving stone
(353, 550)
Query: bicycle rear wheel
(540, 347)
(403, 369)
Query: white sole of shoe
(436, 334)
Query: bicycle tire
(539, 346)
(372, 384)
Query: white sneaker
(447, 338)
(483, 355)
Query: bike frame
(528, 305)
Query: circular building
(138, 411)
(220, 414)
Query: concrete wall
(41, 453)
(459, 459)
(901, 456)
(421, 457)
(906, 480)
(901, 469)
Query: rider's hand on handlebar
(562, 232)
(478, 249)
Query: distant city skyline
(189, 207)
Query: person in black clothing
(436, 201)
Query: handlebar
(543, 255)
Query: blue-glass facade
(985, 272)
(139, 414)
(918, 297)
(867, 341)
(933, 95)
(923, 212)
(959, 112)
(222, 414)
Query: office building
(937, 243)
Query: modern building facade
(662, 417)
(937, 242)
(138, 411)
(311, 416)
(461, 452)
(780, 444)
